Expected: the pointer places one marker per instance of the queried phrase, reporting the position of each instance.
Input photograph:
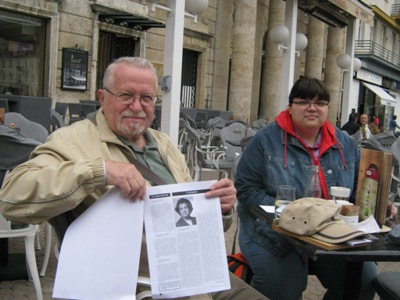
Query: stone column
(222, 54)
(315, 48)
(242, 66)
(333, 74)
(272, 72)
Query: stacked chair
(200, 157)
(233, 137)
(214, 148)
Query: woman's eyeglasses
(320, 103)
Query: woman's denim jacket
(262, 169)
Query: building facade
(60, 49)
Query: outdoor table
(376, 251)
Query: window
(111, 47)
(22, 52)
(189, 78)
(382, 37)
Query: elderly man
(366, 128)
(81, 162)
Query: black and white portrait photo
(184, 208)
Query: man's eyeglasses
(305, 104)
(128, 99)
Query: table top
(378, 250)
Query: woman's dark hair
(308, 88)
(181, 201)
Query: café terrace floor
(24, 289)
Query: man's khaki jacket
(75, 179)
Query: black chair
(387, 285)
(4, 104)
(57, 120)
(75, 112)
(201, 119)
(87, 109)
(61, 108)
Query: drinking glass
(284, 195)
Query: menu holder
(383, 161)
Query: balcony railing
(371, 49)
(395, 10)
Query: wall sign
(74, 69)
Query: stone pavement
(24, 289)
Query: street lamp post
(289, 57)
(171, 81)
(173, 69)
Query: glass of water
(284, 195)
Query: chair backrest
(216, 124)
(201, 119)
(75, 112)
(395, 149)
(4, 104)
(258, 124)
(26, 127)
(15, 149)
(88, 108)
(57, 120)
(231, 138)
(61, 108)
(386, 139)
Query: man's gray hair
(134, 61)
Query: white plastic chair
(29, 234)
(47, 249)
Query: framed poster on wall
(74, 69)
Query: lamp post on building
(171, 81)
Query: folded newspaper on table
(185, 241)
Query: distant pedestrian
(376, 121)
(351, 127)
(367, 128)
(393, 124)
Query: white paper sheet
(185, 260)
(369, 225)
(268, 208)
(99, 258)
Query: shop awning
(125, 13)
(386, 99)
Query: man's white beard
(133, 129)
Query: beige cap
(317, 217)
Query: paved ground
(23, 289)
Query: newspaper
(185, 241)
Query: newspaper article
(185, 241)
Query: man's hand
(127, 178)
(225, 190)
